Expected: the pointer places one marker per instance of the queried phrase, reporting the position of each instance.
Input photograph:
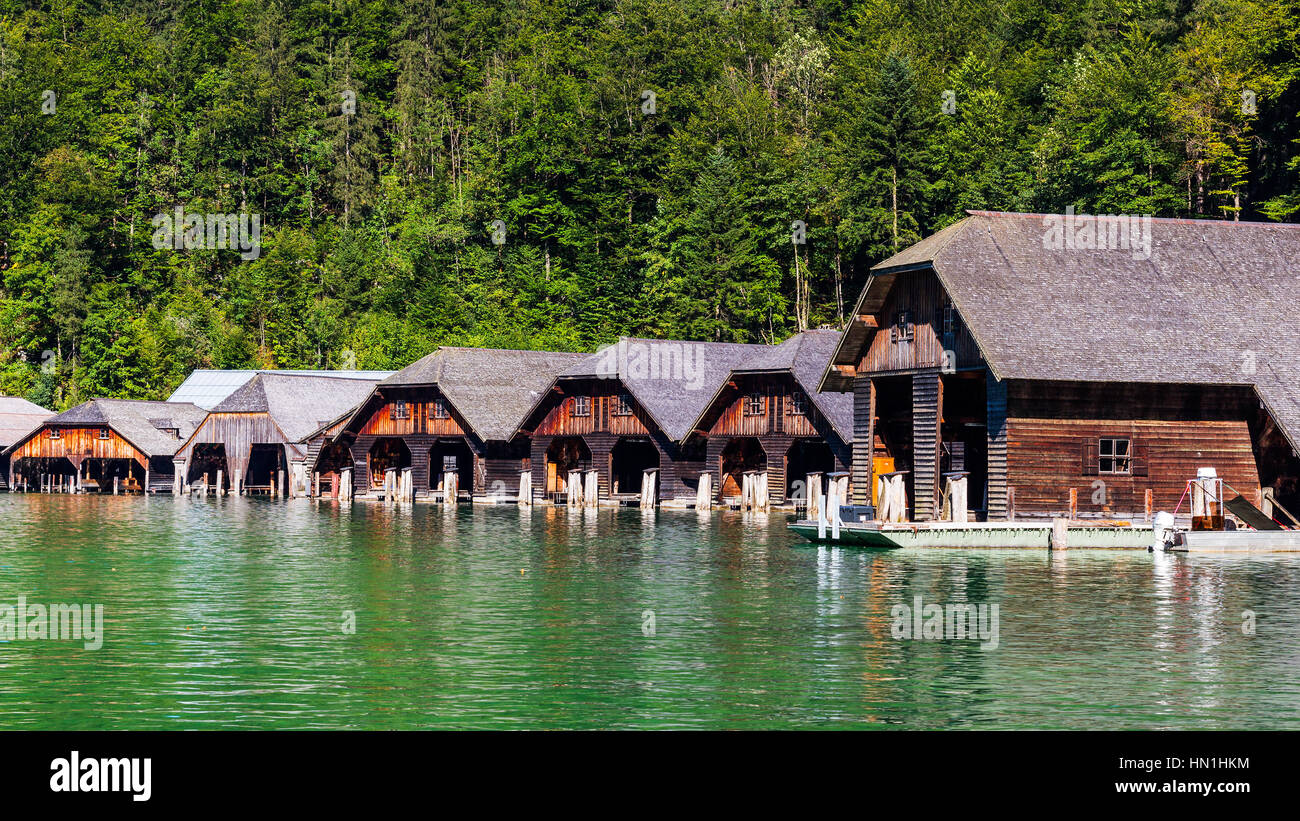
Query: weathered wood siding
(238, 432)
(1053, 429)
(76, 444)
(864, 434)
(420, 417)
(922, 297)
(996, 419)
(927, 411)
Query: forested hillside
(379, 140)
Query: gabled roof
(207, 388)
(1211, 304)
(674, 381)
(130, 419)
(804, 357)
(18, 417)
(491, 389)
(299, 405)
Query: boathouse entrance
(741, 454)
(806, 456)
(334, 458)
(265, 464)
(629, 459)
(564, 454)
(206, 459)
(451, 456)
(388, 452)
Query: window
(798, 403)
(582, 406)
(399, 410)
(622, 405)
(1113, 456)
(438, 410)
(949, 320)
(449, 463)
(103, 433)
(55, 433)
(902, 330)
(754, 404)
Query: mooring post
(221, 489)
(1060, 534)
(1074, 503)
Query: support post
(704, 492)
(525, 487)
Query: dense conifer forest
(550, 174)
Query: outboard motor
(1163, 531)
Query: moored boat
(887, 536)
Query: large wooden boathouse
(625, 410)
(768, 417)
(256, 440)
(104, 445)
(1077, 366)
(451, 418)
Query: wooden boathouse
(625, 410)
(451, 417)
(768, 417)
(104, 445)
(18, 417)
(255, 440)
(1077, 366)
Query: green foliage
(620, 218)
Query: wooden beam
(847, 370)
(868, 320)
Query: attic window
(754, 404)
(621, 406)
(798, 403)
(949, 320)
(581, 406)
(438, 410)
(902, 329)
(104, 434)
(1113, 456)
(399, 410)
(55, 433)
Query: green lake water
(229, 613)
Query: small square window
(55, 433)
(798, 403)
(754, 404)
(902, 330)
(399, 410)
(104, 434)
(621, 405)
(582, 406)
(1113, 456)
(438, 409)
(448, 463)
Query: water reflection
(228, 612)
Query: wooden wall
(1052, 431)
(378, 413)
(76, 444)
(559, 419)
(238, 432)
(922, 297)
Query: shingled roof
(298, 404)
(18, 417)
(130, 419)
(1210, 304)
(492, 389)
(673, 380)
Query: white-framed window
(581, 406)
(754, 404)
